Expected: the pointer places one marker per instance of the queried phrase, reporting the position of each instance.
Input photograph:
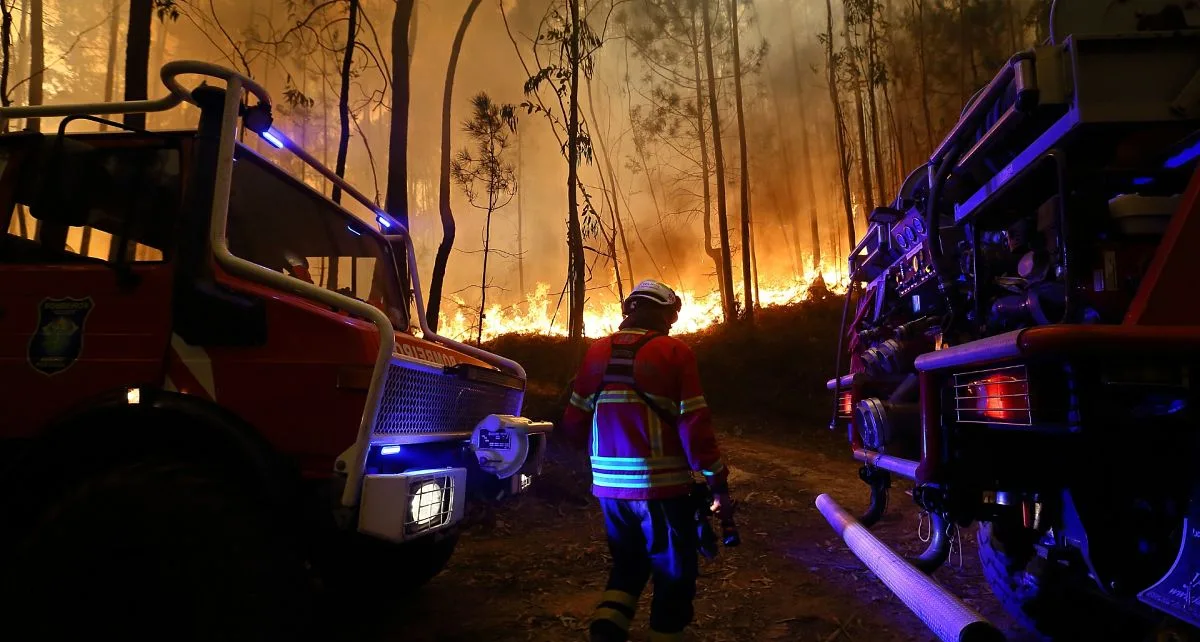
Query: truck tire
(150, 547)
(427, 558)
(389, 569)
(1050, 600)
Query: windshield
(281, 224)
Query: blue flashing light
(383, 222)
(353, 231)
(272, 137)
(1143, 180)
(1184, 157)
(389, 450)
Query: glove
(723, 506)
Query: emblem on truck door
(58, 337)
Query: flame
(542, 313)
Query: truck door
(85, 269)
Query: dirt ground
(534, 570)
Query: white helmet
(654, 292)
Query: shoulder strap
(620, 370)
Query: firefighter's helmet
(653, 293)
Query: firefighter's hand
(723, 506)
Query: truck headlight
(430, 503)
(426, 501)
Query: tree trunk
(719, 157)
(806, 157)
(344, 101)
(839, 125)
(137, 57)
(447, 215)
(110, 74)
(1010, 19)
(744, 194)
(6, 44)
(22, 57)
(520, 228)
(610, 188)
(864, 165)
(919, 7)
(575, 264)
(396, 199)
(963, 91)
(160, 50)
(713, 252)
(487, 242)
(873, 108)
(898, 160)
(37, 60)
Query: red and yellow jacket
(635, 454)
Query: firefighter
(637, 403)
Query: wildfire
(542, 313)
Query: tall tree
(875, 72)
(574, 226)
(713, 252)
(137, 57)
(856, 89)
(918, 13)
(744, 195)
(396, 200)
(447, 215)
(6, 46)
(805, 155)
(487, 179)
(719, 158)
(832, 62)
(344, 98)
(37, 59)
(608, 181)
(110, 71)
(520, 230)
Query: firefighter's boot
(611, 620)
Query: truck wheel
(427, 557)
(360, 563)
(1046, 598)
(151, 547)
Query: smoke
(644, 117)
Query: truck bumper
(417, 489)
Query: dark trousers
(653, 538)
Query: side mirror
(62, 182)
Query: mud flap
(1178, 592)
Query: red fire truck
(211, 391)
(1025, 341)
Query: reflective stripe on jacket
(634, 453)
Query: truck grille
(423, 401)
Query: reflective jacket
(635, 453)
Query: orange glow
(536, 315)
(1002, 398)
(846, 405)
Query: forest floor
(535, 568)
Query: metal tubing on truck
(945, 615)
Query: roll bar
(353, 460)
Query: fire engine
(1022, 339)
(211, 389)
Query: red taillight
(846, 403)
(993, 396)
